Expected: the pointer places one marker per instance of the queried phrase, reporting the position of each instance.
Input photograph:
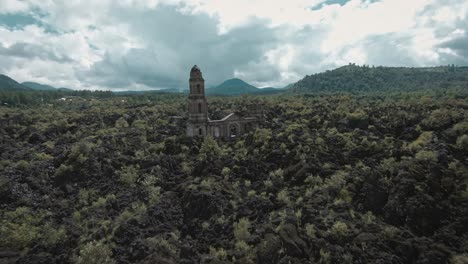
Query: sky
(152, 44)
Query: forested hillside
(326, 179)
(31, 98)
(8, 84)
(354, 79)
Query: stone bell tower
(197, 124)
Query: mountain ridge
(349, 78)
(236, 86)
(38, 86)
(8, 84)
(43, 87)
(353, 78)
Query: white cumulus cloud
(147, 44)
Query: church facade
(199, 123)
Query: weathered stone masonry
(199, 124)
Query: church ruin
(199, 124)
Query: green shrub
(101, 202)
(247, 183)
(241, 229)
(262, 135)
(251, 193)
(162, 246)
(43, 156)
(208, 183)
(390, 232)
(128, 175)
(423, 140)
(345, 196)
(205, 225)
(95, 252)
(283, 197)
(226, 172)
(368, 218)
(357, 119)
(221, 220)
(313, 181)
(186, 167)
(218, 254)
(277, 174)
(242, 246)
(53, 236)
(121, 123)
(140, 124)
(461, 128)
(80, 153)
(154, 194)
(439, 118)
(22, 165)
(337, 180)
(209, 150)
(150, 179)
(310, 230)
(427, 156)
(18, 236)
(136, 211)
(460, 259)
(86, 196)
(268, 184)
(325, 256)
(63, 171)
(339, 229)
(462, 142)
(19, 228)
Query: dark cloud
(458, 44)
(459, 51)
(124, 45)
(173, 42)
(31, 51)
(454, 50)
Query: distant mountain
(173, 90)
(65, 89)
(268, 90)
(8, 84)
(43, 87)
(352, 78)
(168, 90)
(38, 86)
(238, 87)
(232, 87)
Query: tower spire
(197, 105)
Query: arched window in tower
(198, 88)
(200, 131)
(233, 130)
(199, 108)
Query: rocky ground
(327, 179)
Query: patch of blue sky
(20, 20)
(333, 2)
